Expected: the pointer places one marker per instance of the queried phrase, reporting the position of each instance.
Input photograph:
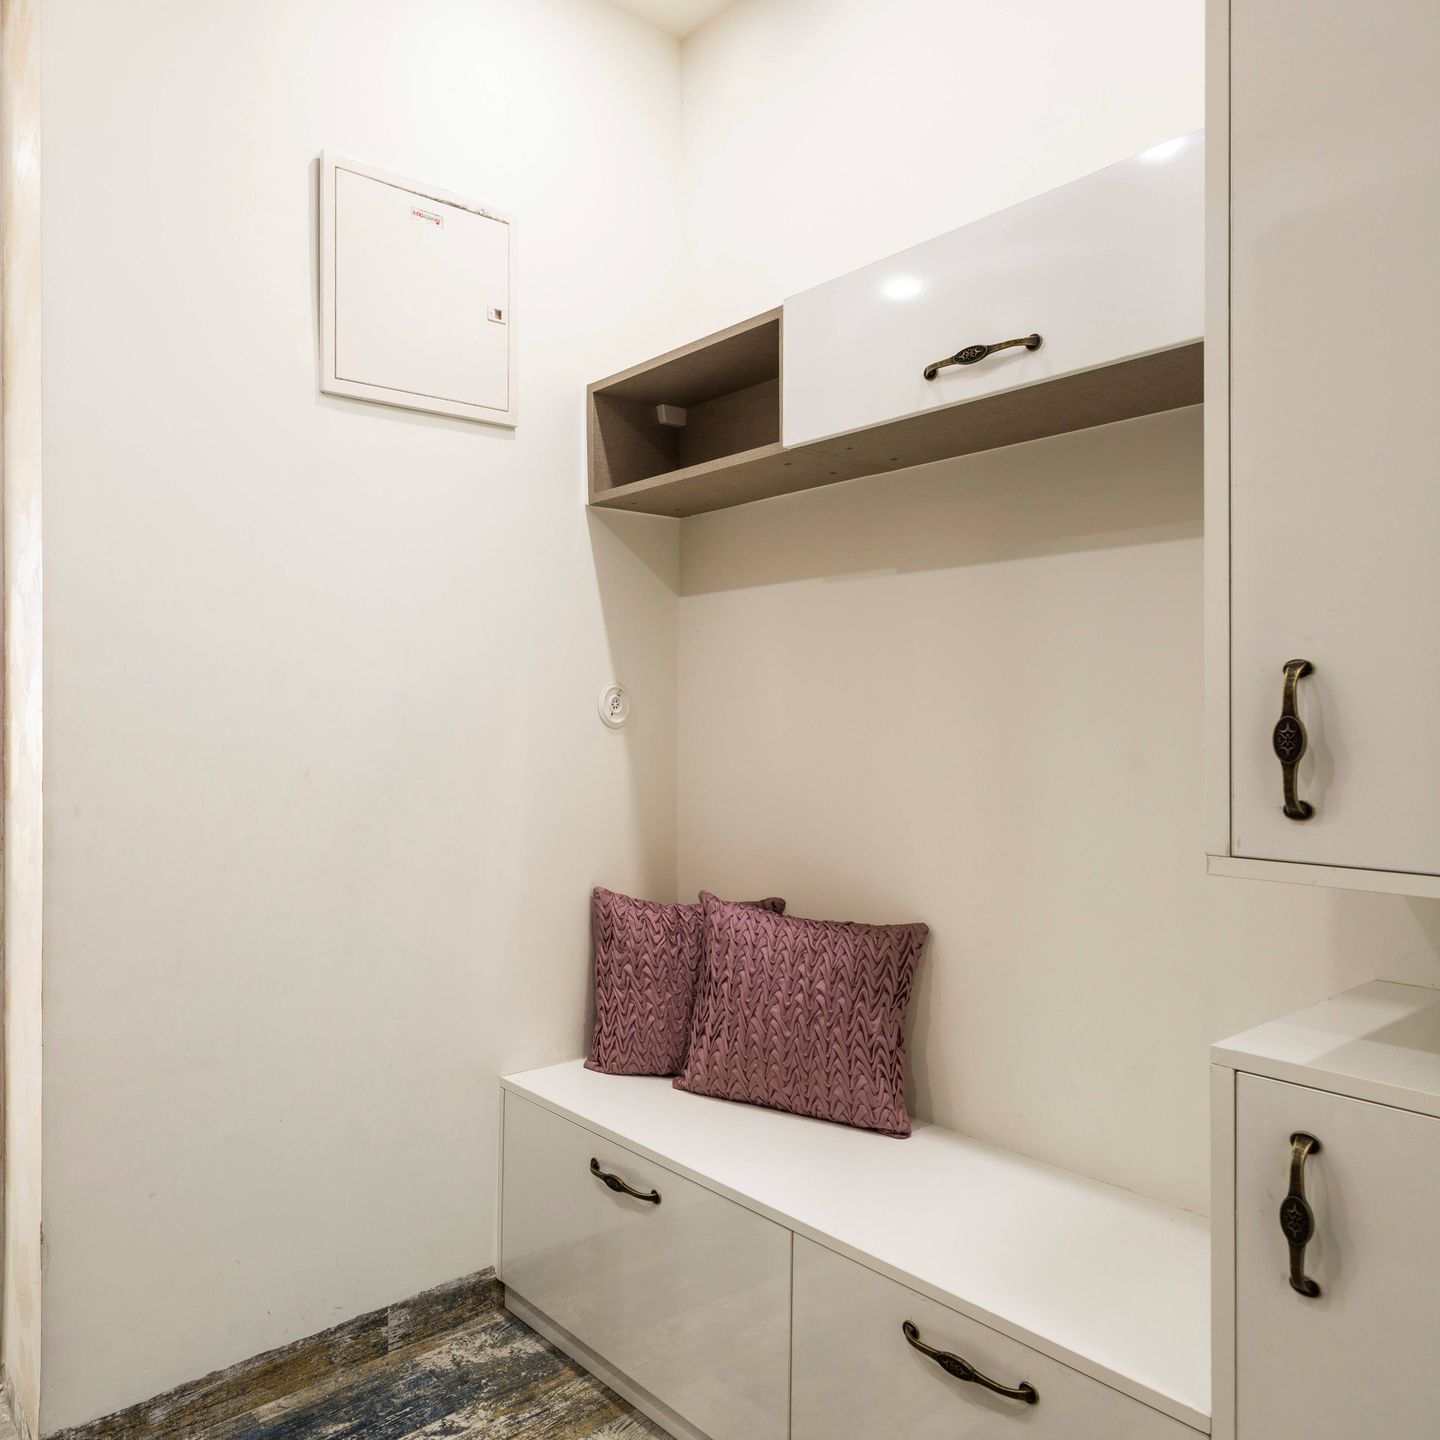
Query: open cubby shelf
(729, 386)
(728, 452)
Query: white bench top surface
(1113, 1284)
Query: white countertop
(1380, 1042)
(1101, 1279)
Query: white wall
(971, 694)
(823, 134)
(327, 788)
(20, 206)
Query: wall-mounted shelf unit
(1108, 269)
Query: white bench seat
(1105, 1282)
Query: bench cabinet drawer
(856, 1376)
(690, 1297)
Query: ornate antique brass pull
(972, 354)
(1290, 740)
(615, 1183)
(964, 1370)
(1297, 1219)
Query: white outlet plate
(614, 706)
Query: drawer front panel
(856, 1377)
(1106, 268)
(1357, 1359)
(690, 1298)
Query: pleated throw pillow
(804, 1015)
(646, 958)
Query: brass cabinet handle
(1290, 740)
(972, 354)
(1297, 1220)
(964, 1370)
(615, 1183)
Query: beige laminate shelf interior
(729, 450)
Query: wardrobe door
(1335, 428)
(1354, 1356)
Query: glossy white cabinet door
(1106, 268)
(1335, 436)
(1359, 1361)
(690, 1298)
(858, 1378)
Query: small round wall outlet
(614, 706)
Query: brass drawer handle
(1297, 1219)
(964, 1370)
(973, 354)
(1290, 740)
(615, 1183)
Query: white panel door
(1358, 1361)
(414, 280)
(1335, 430)
(416, 303)
(689, 1297)
(857, 1376)
(1106, 268)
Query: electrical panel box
(415, 293)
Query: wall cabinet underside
(729, 451)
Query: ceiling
(679, 17)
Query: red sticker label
(429, 216)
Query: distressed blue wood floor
(494, 1378)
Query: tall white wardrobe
(1323, 693)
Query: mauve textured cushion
(804, 1015)
(646, 958)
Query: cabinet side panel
(1222, 1252)
(1217, 428)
